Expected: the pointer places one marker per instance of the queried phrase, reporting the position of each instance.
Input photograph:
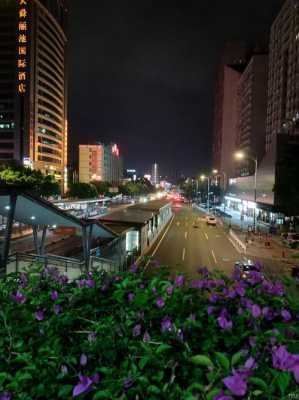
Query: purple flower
(240, 290)
(169, 290)
(210, 310)
(131, 297)
(5, 396)
(254, 277)
(137, 330)
(95, 378)
(256, 311)
(268, 313)
(40, 315)
(54, 295)
(128, 383)
(83, 386)
(179, 280)
(214, 298)
(203, 271)
(90, 283)
(286, 315)
(166, 324)
(224, 323)
(83, 360)
(146, 337)
(192, 317)
(250, 363)
(23, 280)
(134, 268)
(295, 370)
(252, 341)
(57, 309)
(281, 358)
(160, 302)
(19, 297)
(222, 396)
(236, 384)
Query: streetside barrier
(237, 242)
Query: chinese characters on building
(22, 45)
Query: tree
(102, 187)
(28, 179)
(83, 191)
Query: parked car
(291, 239)
(211, 220)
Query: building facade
(33, 84)
(252, 107)
(283, 82)
(100, 162)
(155, 177)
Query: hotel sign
(22, 45)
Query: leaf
(213, 393)
(102, 394)
(256, 393)
(202, 360)
(153, 389)
(222, 360)
(259, 382)
(162, 348)
(65, 391)
(143, 361)
(236, 358)
(196, 387)
(141, 299)
(283, 381)
(3, 377)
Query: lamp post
(208, 178)
(242, 156)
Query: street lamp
(208, 178)
(240, 155)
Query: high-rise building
(252, 107)
(283, 82)
(155, 178)
(232, 62)
(100, 162)
(33, 84)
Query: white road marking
(178, 224)
(184, 253)
(213, 254)
(161, 240)
(186, 234)
(207, 237)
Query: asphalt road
(186, 248)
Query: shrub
(131, 336)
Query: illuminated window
(23, 2)
(22, 39)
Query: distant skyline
(142, 75)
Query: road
(186, 248)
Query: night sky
(142, 75)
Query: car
(211, 220)
(245, 267)
(291, 239)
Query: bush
(130, 336)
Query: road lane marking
(186, 234)
(213, 254)
(207, 237)
(184, 253)
(178, 224)
(162, 238)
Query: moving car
(210, 220)
(245, 267)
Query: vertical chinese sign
(22, 45)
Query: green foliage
(137, 188)
(139, 350)
(28, 179)
(82, 191)
(102, 187)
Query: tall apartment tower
(283, 82)
(232, 62)
(155, 178)
(252, 107)
(33, 84)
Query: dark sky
(142, 74)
